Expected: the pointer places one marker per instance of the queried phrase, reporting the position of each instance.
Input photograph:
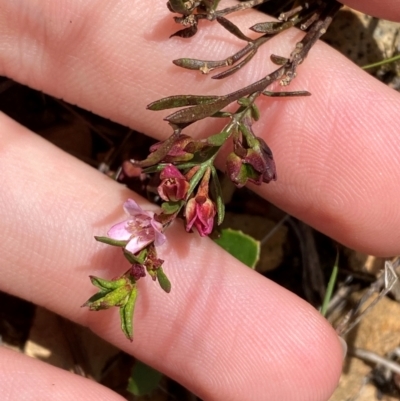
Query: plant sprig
(184, 173)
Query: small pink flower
(141, 229)
(174, 186)
(200, 210)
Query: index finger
(336, 152)
(224, 331)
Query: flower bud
(178, 152)
(254, 164)
(137, 271)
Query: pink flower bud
(178, 151)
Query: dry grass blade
(387, 281)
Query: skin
(225, 332)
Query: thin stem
(382, 62)
(331, 285)
(369, 356)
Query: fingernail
(344, 346)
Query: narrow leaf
(286, 94)
(196, 179)
(107, 284)
(139, 259)
(161, 152)
(186, 33)
(216, 186)
(126, 315)
(218, 139)
(271, 28)
(278, 60)
(205, 66)
(235, 68)
(192, 114)
(110, 241)
(255, 112)
(171, 102)
(106, 299)
(222, 114)
(233, 29)
(163, 280)
(331, 285)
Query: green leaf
(218, 139)
(222, 114)
(331, 285)
(126, 314)
(171, 207)
(106, 299)
(163, 280)
(244, 101)
(242, 246)
(255, 112)
(248, 134)
(196, 179)
(110, 241)
(139, 259)
(144, 379)
(216, 186)
(107, 284)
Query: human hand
(224, 331)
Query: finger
(336, 152)
(224, 331)
(23, 378)
(387, 9)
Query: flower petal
(136, 244)
(170, 171)
(119, 231)
(133, 209)
(159, 237)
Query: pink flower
(141, 229)
(174, 186)
(200, 210)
